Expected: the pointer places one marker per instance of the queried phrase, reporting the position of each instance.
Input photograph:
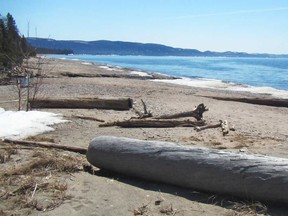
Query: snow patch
(21, 124)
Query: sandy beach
(259, 129)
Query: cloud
(232, 13)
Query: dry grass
(37, 181)
(6, 152)
(142, 210)
(242, 141)
(195, 139)
(248, 209)
(40, 139)
(168, 210)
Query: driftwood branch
(153, 123)
(88, 118)
(196, 113)
(145, 113)
(84, 103)
(76, 149)
(208, 127)
(223, 124)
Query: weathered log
(76, 149)
(147, 123)
(259, 101)
(248, 176)
(196, 113)
(84, 103)
(208, 127)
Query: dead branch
(223, 124)
(196, 113)
(76, 149)
(145, 113)
(153, 123)
(207, 127)
(88, 118)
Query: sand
(259, 129)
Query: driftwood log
(84, 103)
(223, 124)
(251, 177)
(76, 149)
(147, 123)
(196, 113)
(259, 101)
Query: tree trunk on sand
(84, 103)
(248, 176)
(259, 101)
(196, 113)
(147, 123)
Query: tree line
(13, 47)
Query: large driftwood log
(146, 123)
(259, 101)
(248, 176)
(196, 113)
(76, 149)
(84, 103)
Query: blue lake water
(259, 75)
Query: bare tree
(28, 78)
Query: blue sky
(254, 26)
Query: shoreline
(216, 93)
(205, 83)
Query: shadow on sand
(224, 201)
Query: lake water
(258, 75)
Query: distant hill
(104, 47)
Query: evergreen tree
(13, 42)
(2, 42)
(13, 47)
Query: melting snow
(21, 124)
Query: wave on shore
(192, 81)
(229, 86)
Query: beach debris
(276, 102)
(145, 113)
(88, 118)
(76, 149)
(142, 210)
(38, 182)
(196, 113)
(84, 103)
(222, 123)
(248, 176)
(152, 123)
(168, 210)
(224, 127)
